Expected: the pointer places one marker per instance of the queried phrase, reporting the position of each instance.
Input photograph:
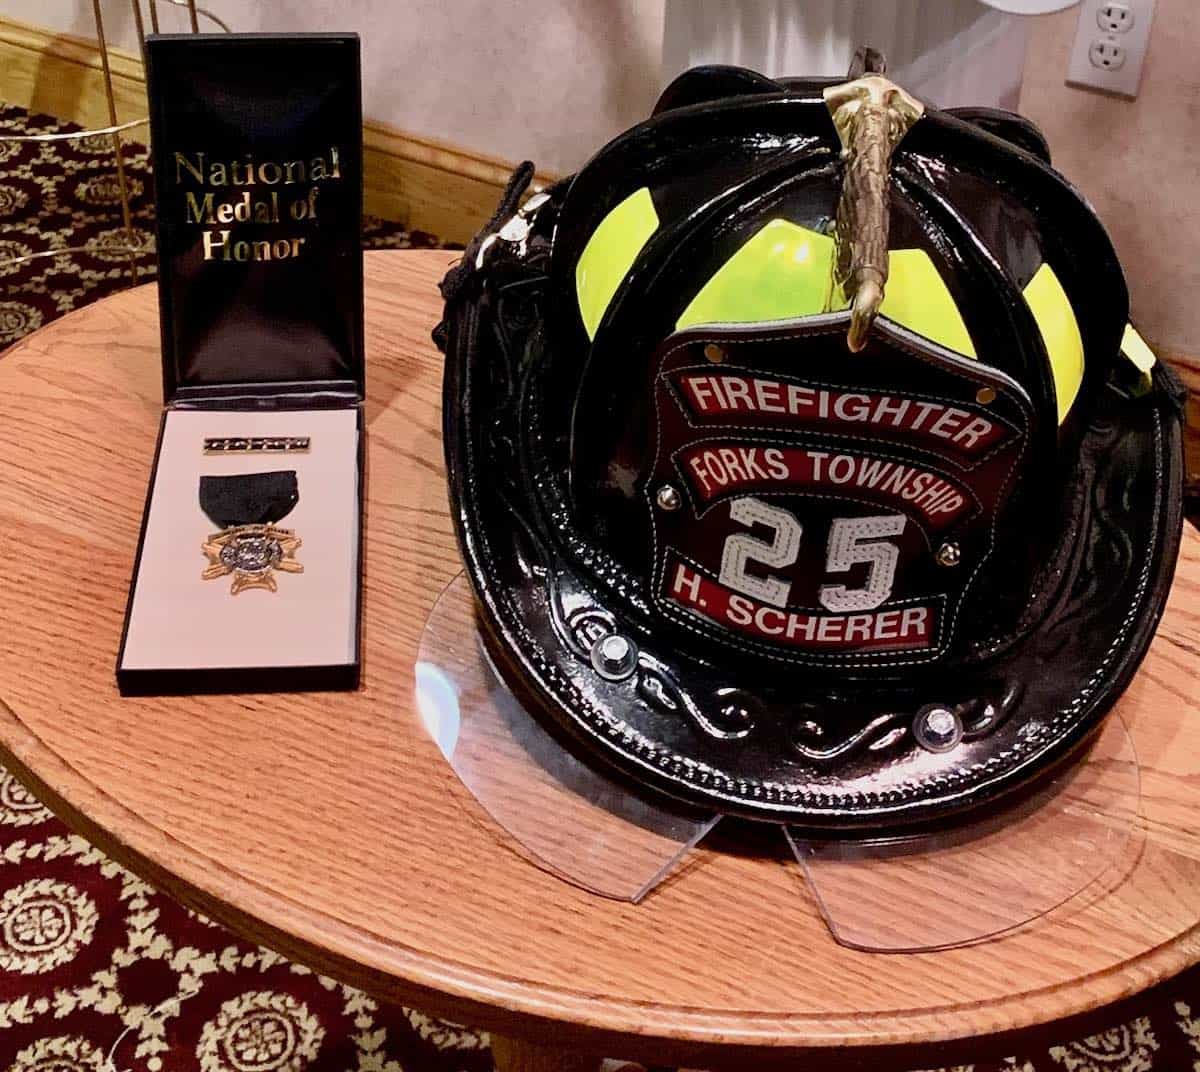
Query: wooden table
(329, 827)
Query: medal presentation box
(249, 567)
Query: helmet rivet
(714, 353)
(937, 728)
(985, 396)
(948, 554)
(614, 657)
(668, 498)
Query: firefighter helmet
(802, 457)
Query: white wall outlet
(1107, 55)
(1110, 45)
(1115, 18)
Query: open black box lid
(257, 142)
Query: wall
(512, 78)
(1137, 161)
(949, 51)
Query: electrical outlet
(1115, 18)
(1106, 54)
(1110, 45)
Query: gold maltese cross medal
(246, 507)
(252, 554)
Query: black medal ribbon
(250, 498)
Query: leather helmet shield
(949, 565)
(824, 511)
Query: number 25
(852, 540)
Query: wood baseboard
(422, 183)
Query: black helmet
(802, 458)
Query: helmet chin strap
(872, 115)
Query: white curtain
(947, 51)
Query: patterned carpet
(100, 973)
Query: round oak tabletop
(328, 825)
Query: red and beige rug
(100, 973)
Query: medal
(250, 546)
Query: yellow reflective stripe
(781, 273)
(785, 272)
(610, 253)
(917, 298)
(1060, 334)
(1136, 349)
